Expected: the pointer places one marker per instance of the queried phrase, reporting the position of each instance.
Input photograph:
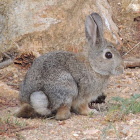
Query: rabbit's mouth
(118, 70)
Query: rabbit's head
(103, 56)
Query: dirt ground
(78, 127)
(93, 127)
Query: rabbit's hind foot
(25, 111)
(63, 112)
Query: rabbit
(60, 82)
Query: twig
(132, 41)
(132, 49)
(49, 118)
(3, 76)
(132, 63)
(6, 63)
(24, 128)
(16, 44)
(7, 55)
(129, 45)
(12, 84)
(99, 108)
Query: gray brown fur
(70, 81)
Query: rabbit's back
(49, 70)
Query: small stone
(125, 90)
(130, 81)
(75, 135)
(131, 122)
(91, 131)
(126, 130)
(50, 124)
(129, 73)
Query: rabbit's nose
(118, 70)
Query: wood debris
(24, 60)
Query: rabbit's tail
(37, 107)
(39, 103)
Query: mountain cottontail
(61, 82)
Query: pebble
(126, 130)
(130, 81)
(125, 90)
(131, 122)
(129, 73)
(91, 131)
(75, 135)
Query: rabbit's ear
(94, 30)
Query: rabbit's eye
(108, 55)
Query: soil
(93, 127)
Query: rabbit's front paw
(83, 109)
(63, 113)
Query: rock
(42, 26)
(134, 5)
(91, 131)
(75, 135)
(125, 90)
(130, 81)
(131, 122)
(127, 131)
